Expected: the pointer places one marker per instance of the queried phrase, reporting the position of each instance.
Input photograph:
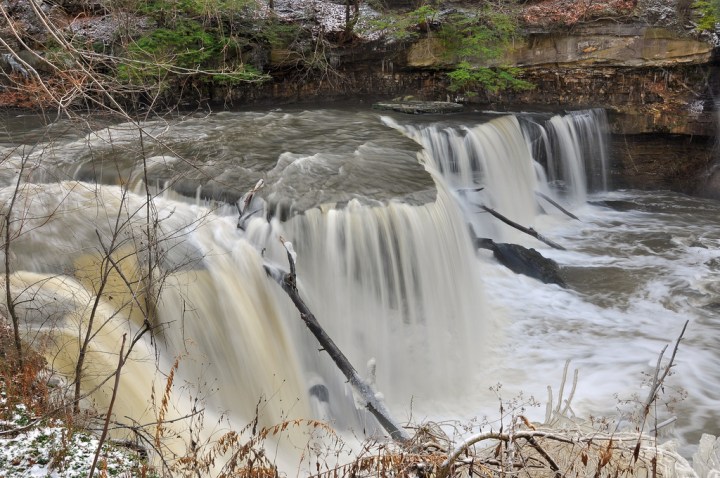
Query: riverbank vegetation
(709, 14)
(164, 52)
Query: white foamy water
(380, 212)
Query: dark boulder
(522, 260)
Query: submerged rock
(522, 260)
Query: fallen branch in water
(288, 282)
(527, 230)
(555, 203)
(244, 212)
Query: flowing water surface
(383, 211)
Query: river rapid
(382, 210)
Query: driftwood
(288, 283)
(527, 230)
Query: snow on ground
(325, 17)
(50, 449)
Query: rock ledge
(416, 107)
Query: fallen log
(288, 282)
(527, 230)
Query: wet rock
(522, 260)
(654, 161)
(617, 205)
(420, 107)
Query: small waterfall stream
(394, 277)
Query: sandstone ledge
(419, 107)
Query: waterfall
(573, 149)
(217, 312)
(398, 286)
(504, 162)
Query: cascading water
(498, 164)
(393, 284)
(385, 260)
(573, 152)
(488, 164)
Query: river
(382, 209)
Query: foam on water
(395, 282)
(629, 302)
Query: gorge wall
(657, 85)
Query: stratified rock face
(651, 79)
(612, 45)
(638, 100)
(678, 162)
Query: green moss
(709, 14)
(478, 41)
(474, 39)
(404, 26)
(203, 40)
(466, 78)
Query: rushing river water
(382, 209)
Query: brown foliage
(35, 94)
(22, 384)
(567, 13)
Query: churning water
(383, 211)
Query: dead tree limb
(444, 468)
(555, 203)
(659, 378)
(527, 230)
(288, 283)
(244, 212)
(553, 466)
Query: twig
(110, 407)
(562, 385)
(10, 301)
(549, 405)
(553, 466)
(572, 394)
(659, 379)
(444, 468)
(663, 424)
